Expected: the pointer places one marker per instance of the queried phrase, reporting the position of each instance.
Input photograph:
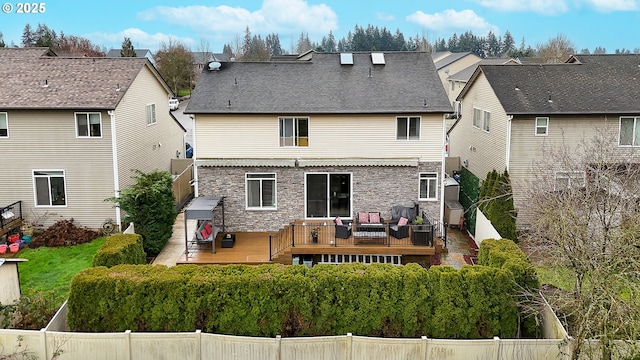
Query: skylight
(377, 58)
(346, 58)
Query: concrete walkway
(175, 245)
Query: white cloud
(275, 16)
(614, 5)
(139, 39)
(545, 7)
(385, 17)
(451, 20)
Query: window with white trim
(629, 131)
(49, 187)
(260, 191)
(294, 131)
(4, 125)
(88, 125)
(569, 179)
(542, 126)
(428, 186)
(481, 119)
(408, 128)
(151, 114)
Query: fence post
(293, 235)
(43, 342)
(127, 340)
(199, 344)
(349, 354)
(279, 351)
(496, 348)
(425, 348)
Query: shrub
(120, 249)
(31, 312)
(150, 205)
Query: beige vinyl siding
(455, 67)
(330, 136)
(483, 150)
(46, 140)
(528, 150)
(138, 144)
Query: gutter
(508, 149)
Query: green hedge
(266, 300)
(120, 249)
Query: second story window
(408, 128)
(151, 114)
(629, 131)
(4, 125)
(481, 119)
(294, 131)
(565, 180)
(542, 126)
(88, 125)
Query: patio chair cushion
(338, 221)
(374, 217)
(363, 217)
(403, 221)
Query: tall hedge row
(266, 300)
(120, 249)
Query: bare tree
(556, 50)
(586, 221)
(175, 64)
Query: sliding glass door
(328, 195)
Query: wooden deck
(253, 248)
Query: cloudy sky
(613, 24)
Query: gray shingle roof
(597, 87)
(71, 83)
(453, 57)
(404, 84)
(139, 52)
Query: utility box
(452, 213)
(451, 189)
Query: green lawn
(556, 276)
(51, 268)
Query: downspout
(114, 155)
(442, 170)
(196, 191)
(508, 150)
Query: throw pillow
(208, 229)
(338, 221)
(403, 221)
(204, 234)
(363, 217)
(374, 218)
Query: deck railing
(299, 233)
(10, 217)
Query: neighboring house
(511, 114)
(450, 63)
(141, 53)
(325, 136)
(202, 58)
(72, 130)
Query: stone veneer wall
(374, 189)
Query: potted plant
(314, 234)
(418, 221)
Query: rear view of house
(320, 136)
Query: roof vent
(346, 58)
(214, 66)
(377, 58)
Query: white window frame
(540, 127)
(407, 134)
(481, 119)
(261, 178)
(151, 114)
(635, 132)
(575, 179)
(297, 140)
(48, 174)
(431, 179)
(6, 124)
(88, 114)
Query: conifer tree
(127, 48)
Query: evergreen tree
(226, 49)
(127, 48)
(2, 44)
(304, 44)
(328, 43)
(493, 46)
(508, 44)
(28, 36)
(599, 50)
(273, 45)
(45, 37)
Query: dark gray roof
(451, 58)
(201, 57)
(48, 82)
(406, 82)
(465, 74)
(597, 87)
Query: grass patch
(50, 269)
(557, 276)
